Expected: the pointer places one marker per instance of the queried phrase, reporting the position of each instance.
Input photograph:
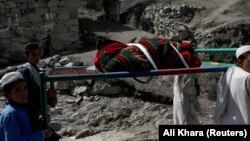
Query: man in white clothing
(233, 91)
(186, 104)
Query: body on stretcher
(89, 72)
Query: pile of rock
(161, 19)
(165, 18)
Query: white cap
(241, 50)
(10, 77)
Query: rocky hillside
(123, 109)
(215, 23)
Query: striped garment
(113, 56)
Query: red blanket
(116, 56)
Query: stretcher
(82, 72)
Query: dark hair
(244, 55)
(29, 47)
(7, 88)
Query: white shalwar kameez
(185, 104)
(233, 97)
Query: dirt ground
(116, 135)
(220, 12)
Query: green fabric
(121, 57)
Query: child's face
(33, 57)
(18, 93)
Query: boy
(30, 72)
(20, 120)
